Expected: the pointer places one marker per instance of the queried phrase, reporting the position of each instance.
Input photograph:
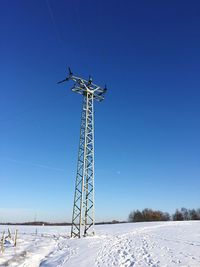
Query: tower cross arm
(83, 86)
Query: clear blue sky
(146, 131)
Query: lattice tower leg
(83, 209)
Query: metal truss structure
(83, 208)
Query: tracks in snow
(152, 245)
(61, 253)
(127, 250)
(147, 247)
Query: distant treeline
(37, 223)
(148, 215)
(41, 223)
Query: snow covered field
(137, 244)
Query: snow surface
(132, 244)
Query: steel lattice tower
(83, 208)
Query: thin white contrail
(54, 22)
(33, 164)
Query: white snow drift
(132, 244)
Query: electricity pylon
(83, 208)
